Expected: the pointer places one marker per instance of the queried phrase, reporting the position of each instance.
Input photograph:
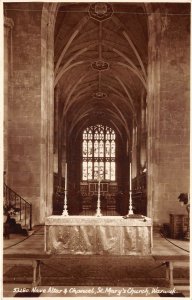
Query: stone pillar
(168, 112)
(153, 102)
(47, 109)
(8, 25)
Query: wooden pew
(172, 261)
(34, 260)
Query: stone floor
(145, 286)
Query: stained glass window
(98, 153)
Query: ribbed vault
(100, 56)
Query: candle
(65, 212)
(130, 179)
(65, 176)
(99, 172)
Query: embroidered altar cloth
(106, 235)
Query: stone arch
(49, 14)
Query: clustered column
(8, 26)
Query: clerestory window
(98, 153)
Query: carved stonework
(164, 22)
(100, 11)
(8, 23)
(100, 65)
(99, 95)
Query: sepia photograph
(96, 149)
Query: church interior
(96, 129)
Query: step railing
(24, 214)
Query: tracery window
(98, 153)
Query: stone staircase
(18, 211)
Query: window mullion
(98, 158)
(110, 156)
(104, 159)
(93, 155)
(87, 154)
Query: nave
(96, 138)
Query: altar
(91, 235)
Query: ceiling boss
(100, 11)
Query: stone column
(8, 25)
(153, 102)
(47, 109)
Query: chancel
(96, 124)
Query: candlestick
(98, 212)
(65, 176)
(65, 211)
(130, 193)
(130, 203)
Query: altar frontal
(106, 235)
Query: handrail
(13, 199)
(5, 186)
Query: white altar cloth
(106, 235)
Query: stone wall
(24, 120)
(173, 147)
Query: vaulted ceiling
(101, 62)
